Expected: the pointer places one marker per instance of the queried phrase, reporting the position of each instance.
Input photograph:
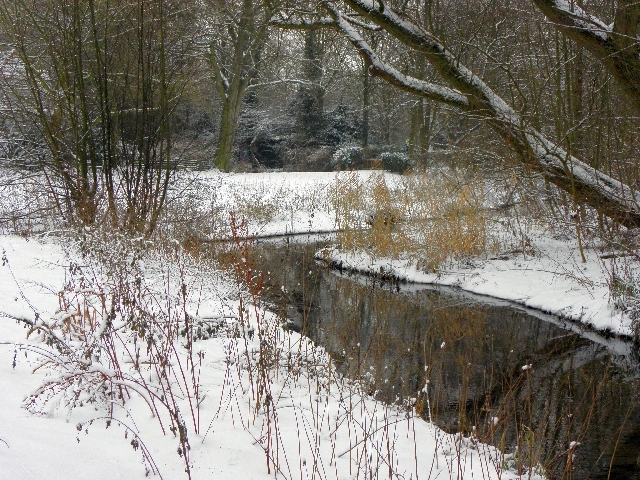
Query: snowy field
(105, 412)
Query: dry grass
(430, 219)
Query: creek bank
(462, 361)
(552, 282)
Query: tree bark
(311, 95)
(228, 128)
(366, 104)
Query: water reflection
(515, 380)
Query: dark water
(470, 356)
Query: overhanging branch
(582, 181)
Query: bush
(397, 162)
(348, 157)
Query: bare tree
(468, 92)
(97, 82)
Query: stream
(518, 379)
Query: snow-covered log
(470, 93)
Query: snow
(317, 426)
(583, 20)
(313, 428)
(301, 200)
(554, 280)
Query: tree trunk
(247, 38)
(415, 118)
(366, 104)
(228, 128)
(311, 97)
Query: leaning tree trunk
(468, 92)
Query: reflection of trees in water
(574, 392)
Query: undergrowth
(429, 219)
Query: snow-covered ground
(274, 203)
(312, 423)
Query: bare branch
(585, 183)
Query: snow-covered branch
(616, 45)
(570, 15)
(299, 22)
(302, 22)
(390, 74)
(293, 81)
(585, 183)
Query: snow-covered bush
(398, 162)
(348, 157)
(115, 339)
(624, 292)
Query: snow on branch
(572, 16)
(301, 22)
(449, 67)
(281, 81)
(390, 74)
(615, 46)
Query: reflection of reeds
(476, 381)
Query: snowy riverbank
(316, 423)
(553, 280)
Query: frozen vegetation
(125, 357)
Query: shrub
(348, 157)
(397, 162)
(429, 220)
(624, 292)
